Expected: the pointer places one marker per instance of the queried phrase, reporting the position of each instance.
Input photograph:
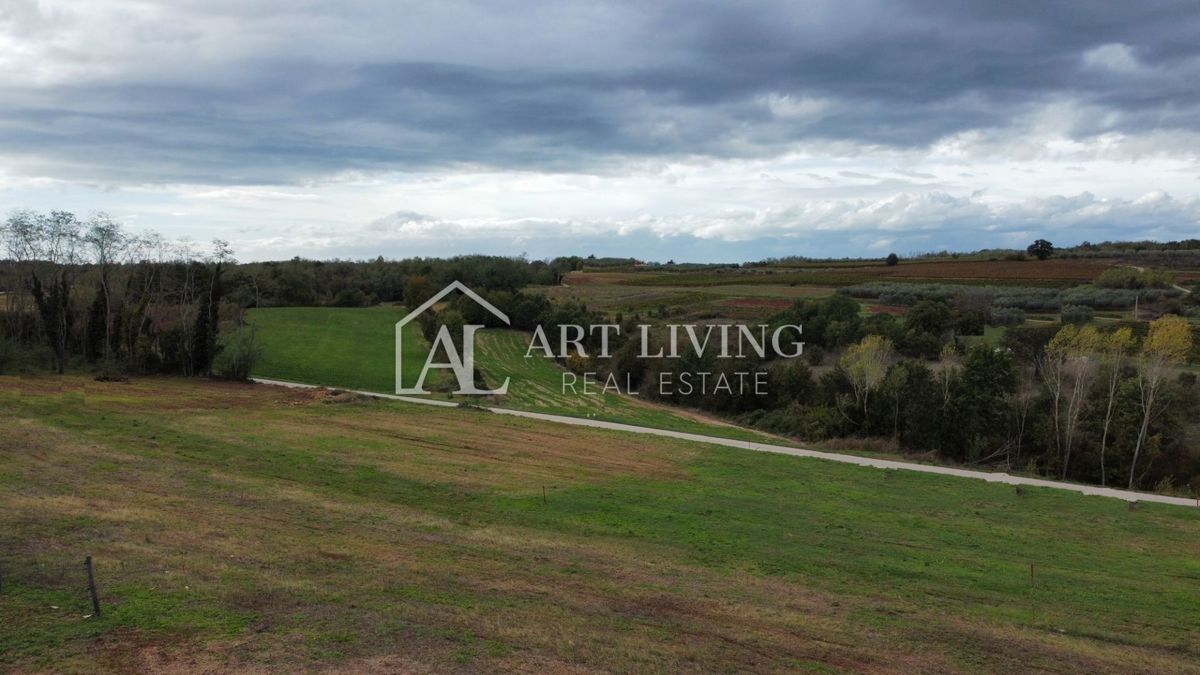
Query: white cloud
(1115, 56)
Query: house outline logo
(462, 365)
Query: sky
(690, 130)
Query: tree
(989, 376)
(1076, 314)
(929, 316)
(1041, 248)
(893, 260)
(1113, 349)
(1053, 366)
(1166, 345)
(866, 365)
(55, 248)
(416, 291)
(1072, 356)
(239, 353)
(107, 242)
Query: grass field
(247, 527)
(354, 349)
(346, 347)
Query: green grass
(354, 349)
(248, 526)
(991, 337)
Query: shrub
(16, 358)
(813, 423)
(1007, 316)
(1076, 314)
(893, 259)
(8, 356)
(1131, 278)
(351, 297)
(921, 345)
(240, 352)
(814, 354)
(970, 322)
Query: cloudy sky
(690, 130)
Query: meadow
(258, 528)
(355, 349)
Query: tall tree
(1166, 345)
(55, 254)
(1114, 347)
(1081, 362)
(866, 365)
(1040, 249)
(107, 242)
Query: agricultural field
(355, 349)
(620, 293)
(1055, 273)
(756, 292)
(248, 527)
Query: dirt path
(991, 477)
(1175, 286)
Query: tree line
(87, 291)
(1113, 406)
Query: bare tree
(108, 244)
(56, 255)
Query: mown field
(242, 527)
(355, 349)
(345, 347)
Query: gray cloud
(905, 222)
(272, 93)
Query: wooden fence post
(92, 586)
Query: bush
(17, 359)
(1007, 316)
(351, 297)
(970, 322)
(8, 356)
(921, 345)
(1076, 314)
(811, 423)
(814, 354)
(1130, 278)
(240, 352)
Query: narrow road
(991, 477)
(1175, 286)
